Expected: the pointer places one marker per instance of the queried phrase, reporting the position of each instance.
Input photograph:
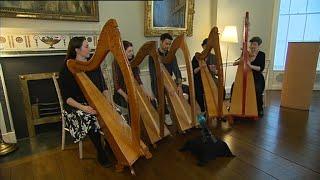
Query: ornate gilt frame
(36, 14)
(149, 30)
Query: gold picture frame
(169, 16)
(51, 10)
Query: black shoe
(107, 148)
(104, 161)
(201, 163)
(260, 113)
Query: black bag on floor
(206, 147)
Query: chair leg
(63, 137)
(80, 150)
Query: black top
(69, 87)
(197, 76)
(118, 80)
(260, 61)
(172, 68)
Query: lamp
(229, 35)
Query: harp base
(251, 117)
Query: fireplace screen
(40, 100)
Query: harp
(124, 140)
(213, 95)
(152, 119)
(183, 112)
(243, 101)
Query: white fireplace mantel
(8, 136)
(41, 43)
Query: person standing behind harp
(256, 62)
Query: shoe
(168, 120)
(103, 160)
(260, 113)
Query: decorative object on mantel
(51, 40)
(52, 10)
(43, 43)
(168, 16)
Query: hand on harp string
(179, 90)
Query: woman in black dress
(211, 64)
(256, 62)
(120, 96)
(81, 118)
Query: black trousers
(200, 100)
(259, 84)
(200, 94)
(95, 138)
(185, 89)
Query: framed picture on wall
(172, 16)
(53, 10)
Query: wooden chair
(64, 129)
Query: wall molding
(41, 43)
(276, 78)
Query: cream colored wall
(130, 18)
(232, 12)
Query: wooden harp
(213, 95)
(124, 139)
(243, 101)
(153, 119)
(183, 112)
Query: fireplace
(40, 100)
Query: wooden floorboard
(23, 171)
(285, 144)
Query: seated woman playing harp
(81, 118)
(256, 62)
(211, 63)
(120, 96)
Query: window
(298, 22)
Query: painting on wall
(173, 16)
(53, 10)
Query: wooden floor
(285, 144)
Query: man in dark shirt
(173, 68)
